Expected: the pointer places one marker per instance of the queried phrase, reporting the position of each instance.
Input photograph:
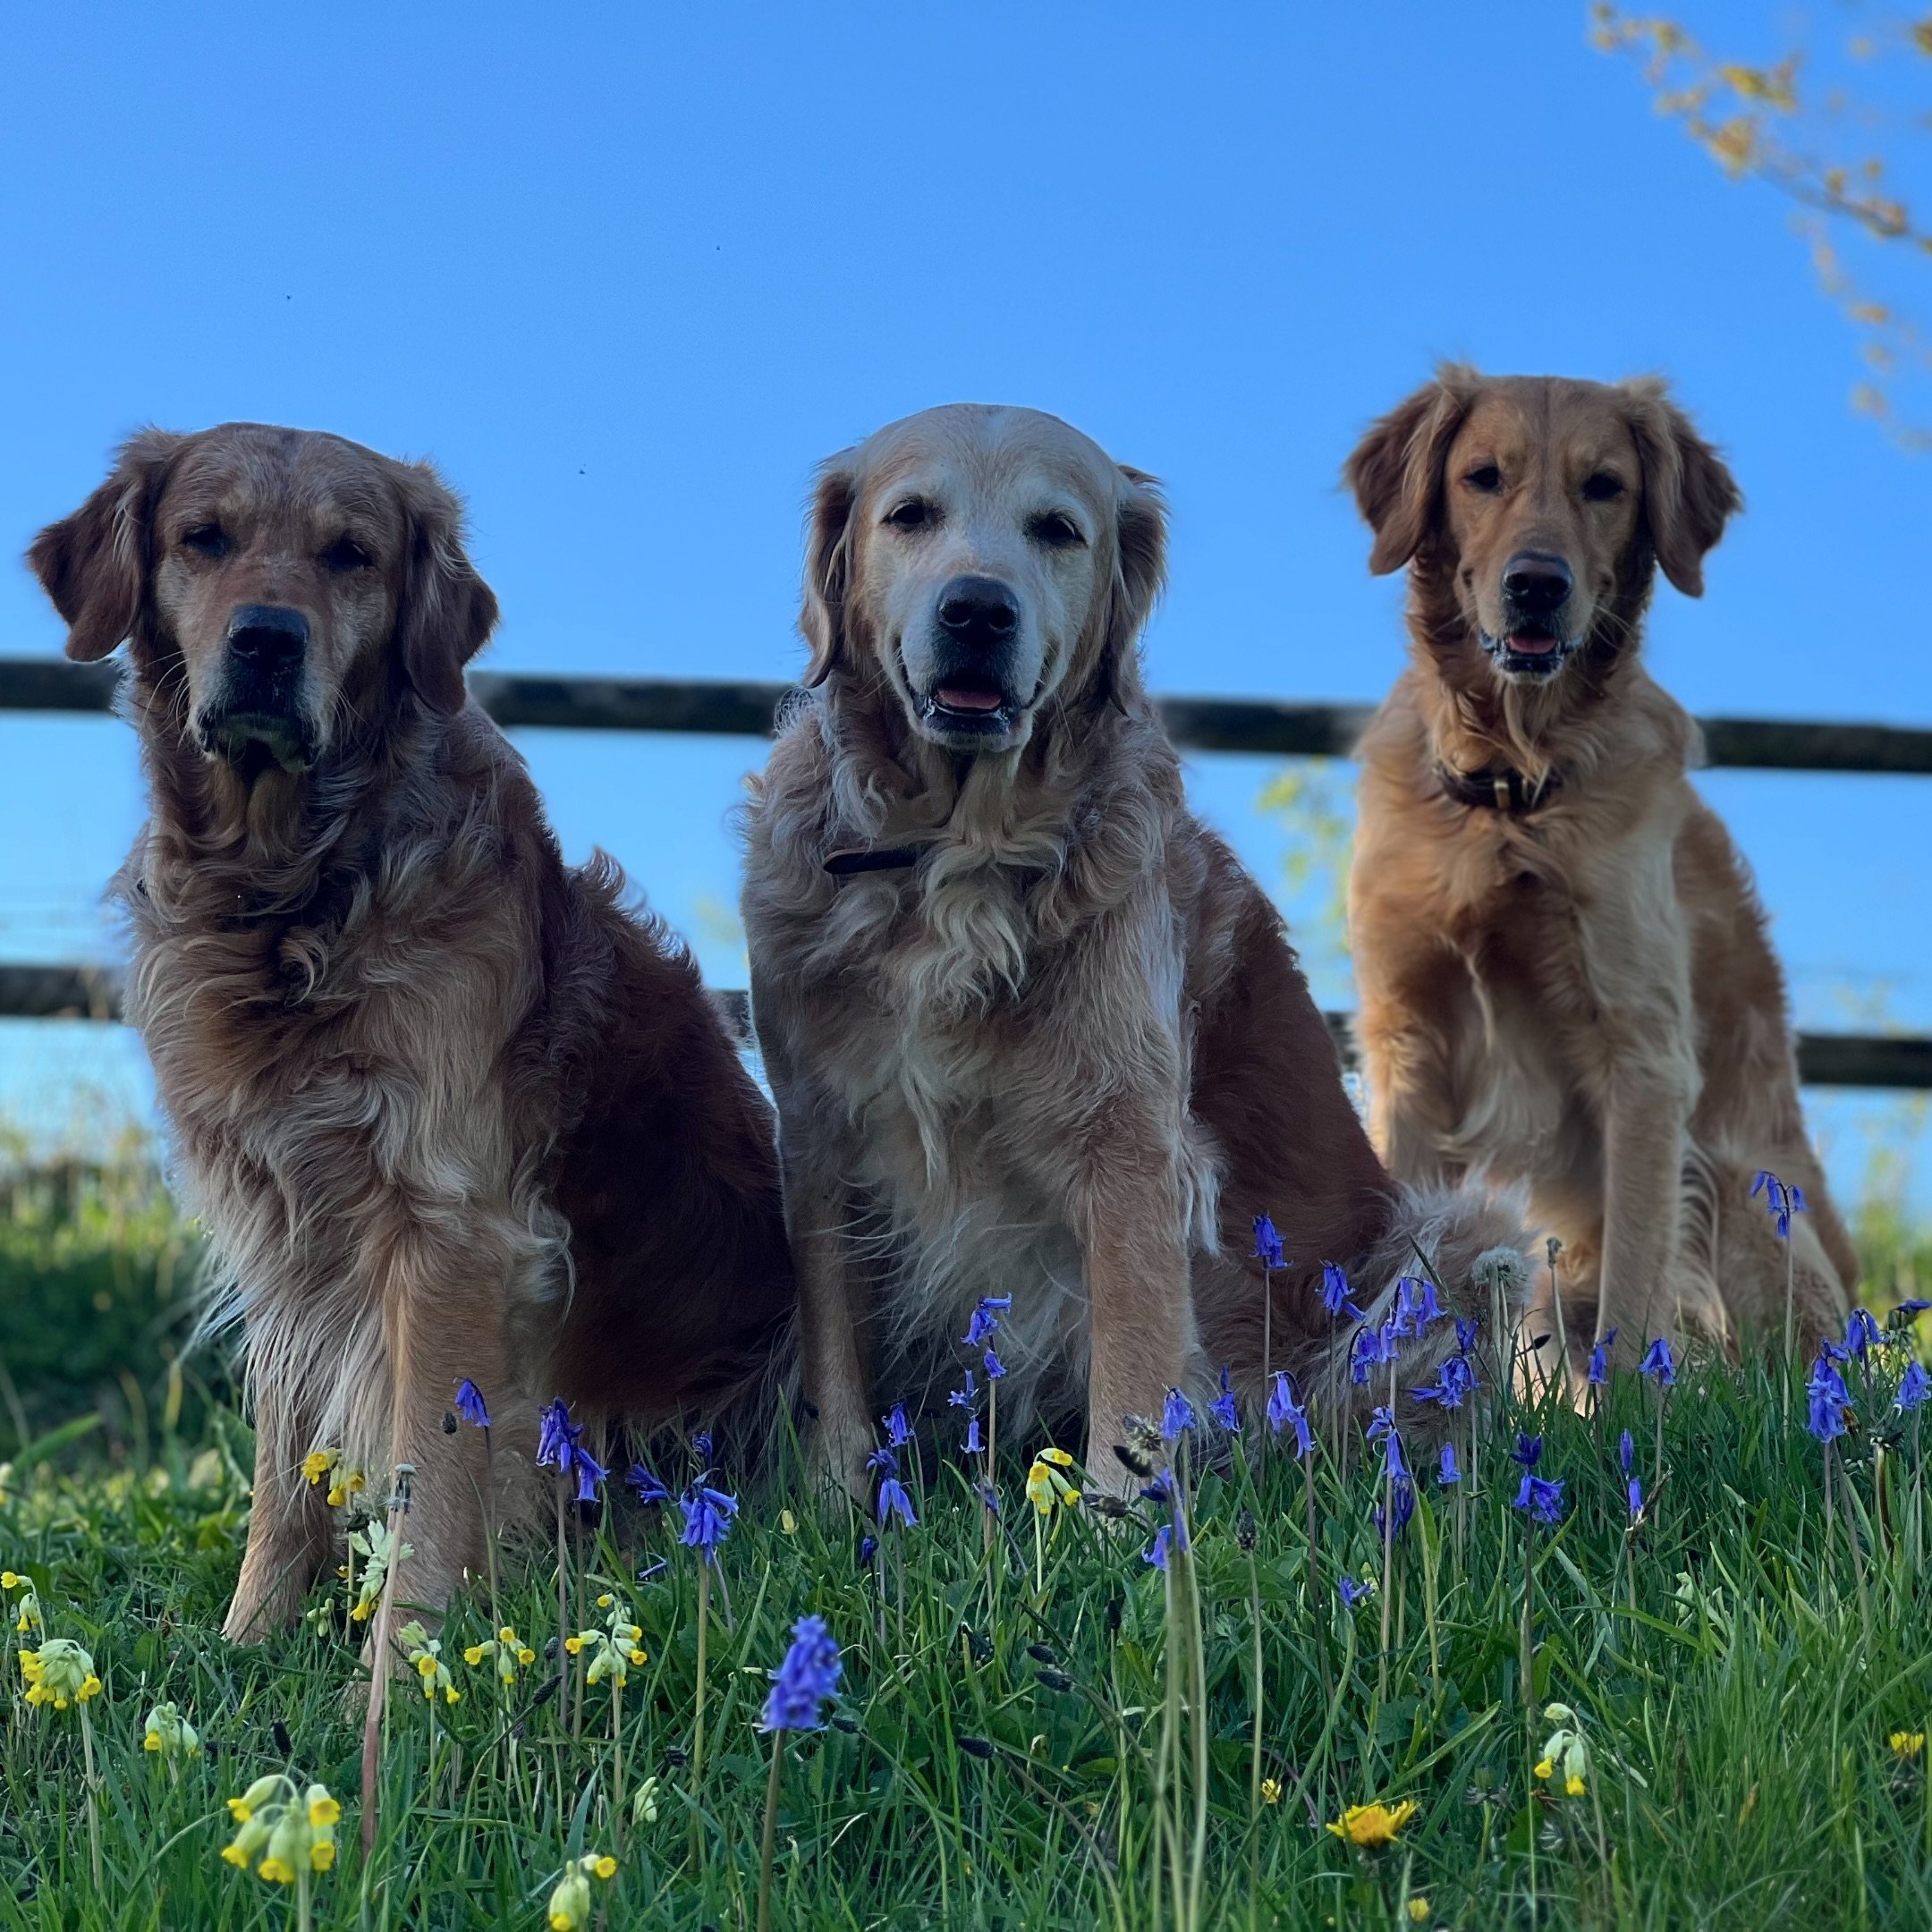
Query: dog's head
(981, 561)
(281, 582)
(1543, 505)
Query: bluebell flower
(1912, 1309)
(1400, 1317)
(1381, 1422)
(867, 1549)
(1599, 1359)
(1861, 1332)
(1834, 1351)
(1541, 1498)
(1781, 1202)
(989, 1496)
(590, 1474)
(701, 1448)
(1223, 1407)
(649, 1489)
(1156, 1552)
(1634, 1495)
(981, 1327)
(1267, 1245)
(1826, 1399)
(1529, 1450)
(1455, 1382)
(1335, 1288)
(1177, 1415)
(1402, 1494)
(974, 1444)
(967, 1397)
(707, 1519)
(470, 1405)
(1914, 1385)
(894, 1501)
(806, 1680)
(1393, 1465)
(1351, 1592)
(1446, 1472)
(1283, 1411)
(1429, 1309)
(898, 1433)
(1467, 1331)
(556, 1438)
(1659, 1362)
(995, 1368)
(1626, 1449)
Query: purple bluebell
(557, 1440)
(892, 1498)
(1393, 1465)
(867, 1549)
(1467, 1331)
(1529, 1450)
(1156, 1552)
(1177, 1416)
(1599, 1359)
(707, 1519)
(898, 1431)
(1267, 1243)
(1351, 1592)
(1541, 1498)
(1914, 1385)
(1446, 1471)
(1659, 1362)
(1335, 1288)
(995, 1368)
(1861, 1332)
(470, 1405)
(1911, 1308)
(701, 1448)
(1401, 1495)
(967, 1397)
(649, 1489)
(1455, 1382)
(1826, 1399)
(1781, 1202)
(1222, 1407)
(1625, 1450)
(974, 1444)
(981, 1327)
(1283, 1411)
(1633, 1490)
(590, 1474)
(1381, 1422)
(1428, 1308)
(806, 1680)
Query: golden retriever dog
(446, 1110)
(1031, 1030)
(1565, 977)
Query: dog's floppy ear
(828, 566)
(1139, 571)
(1688, 494)
(1397, 469)
(94, 563)
(446, 610)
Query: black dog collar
(1506, 791)
(852, 858)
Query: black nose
(1537, 585)
(979, 610)
(268, 636)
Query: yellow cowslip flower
(1270, 1791)
(1564, 1747)
(507, 1648)
(1545, 1769)
(28, 1619)
(787, 1522)
(169, 1733)
(1419, 1909)
(59, 1672)
(371, 1543)
(570, 1903)
(318, 1463)
(1046, 1485)
(8, 1579)
(1372, 1826)
(285, 1830)
(1058, 1457)
(612, 1650)
(1907, 1745)
(424, 1654)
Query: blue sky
(628, 272)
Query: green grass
(1736, 1677)
(1736, 1696)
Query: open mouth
(968, 705)
(254, 741)
(1531, 650)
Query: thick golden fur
(1581, 997)
(445, 1109)
(1067, 1054)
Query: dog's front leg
(832, 1329)
(1646, 1112)
(1131, 1217)
(289, 1533)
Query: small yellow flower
(318, 1463)
(322, 1810)
(8, 1579)
(570, 1903)
(169, 1733)
(1419, 1909)
(1575, 1787)
(1907, 1745)
(1059, 1457)
(605, 1601)
(605, 1867)
(1270, 1791)
(1545, 1769)
(321, 1856)
(287, 1828)
(59, 1671)
(1374, 1825)
(275, 1871)
(787, 1522)
(344, 1487)
(235, 1856)
(474, 1654)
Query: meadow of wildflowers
(1656, 1660)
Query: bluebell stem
(1222, 1407)
(1781, 1203)
(801, 1685)
(1633, 1488)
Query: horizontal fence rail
(1824, 1059)
(747, 709)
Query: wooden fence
(1264, 728)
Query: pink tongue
(955, 697)
(1533, 647)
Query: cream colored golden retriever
(1565, 977)
(1031, 1030)
(445, 1109)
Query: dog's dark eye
(1486, 478)
(914, 514)
(345, 554)
(1056, 530)
(209, 539)
(1602, 487)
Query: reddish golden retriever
(1565, 975)
(445, 1108)
(1031, 1028)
